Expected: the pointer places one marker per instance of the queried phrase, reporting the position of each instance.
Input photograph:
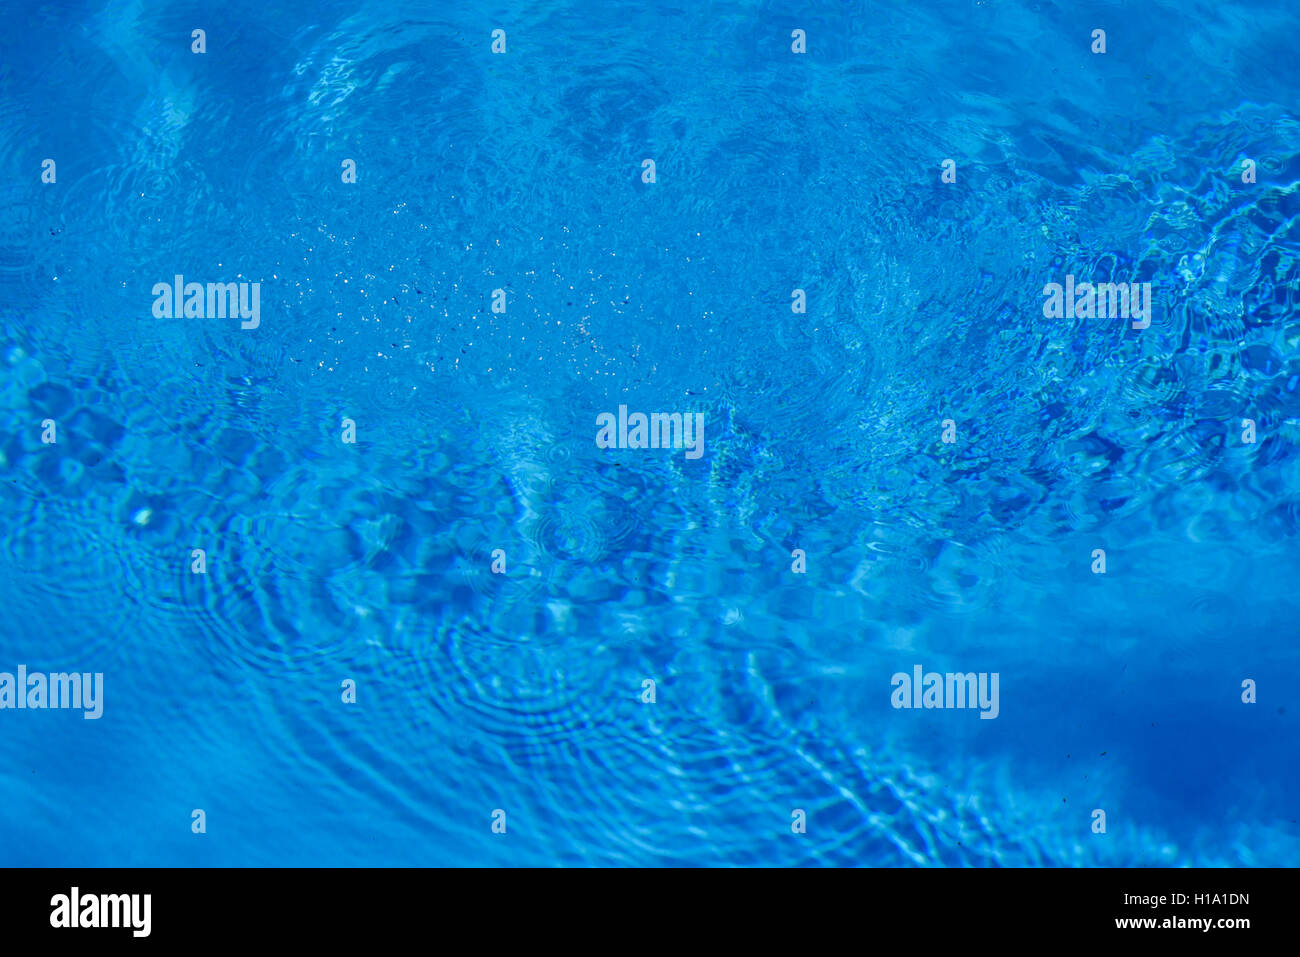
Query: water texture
(522, 691)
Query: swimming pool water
(917, 470)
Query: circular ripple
(522, 581)
(306, 602)
(63, 576)
(566, 536)
(529, 696)
(22, 272)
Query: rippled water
(522, 691)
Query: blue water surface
(524, 691)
